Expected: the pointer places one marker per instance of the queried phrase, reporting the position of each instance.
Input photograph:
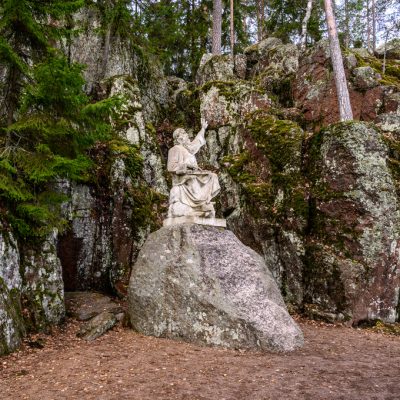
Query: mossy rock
(269, 168)
(12, 327)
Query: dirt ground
(335, 363)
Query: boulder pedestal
(195, 220)
(201, 284)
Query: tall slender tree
(345, 111)
(217, 27)
(232, 27)
(303, 39)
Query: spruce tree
(26, 26)
(49, 122)
(57, 124)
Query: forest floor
(336, 363)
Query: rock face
(315, 93)
(354, 246)
(43, 286)
(31, 290)
(275, 201)
(11, 323)
(201, 284)
(110, 219)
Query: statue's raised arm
(192, 188)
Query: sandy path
(336, 363)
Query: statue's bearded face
(182, 138)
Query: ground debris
(337, 362)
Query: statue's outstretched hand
(204, 124)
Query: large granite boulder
(201, 284)
(392, 49)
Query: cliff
(316, 198)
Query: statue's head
(180, 137)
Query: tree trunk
(190, 17)
(346, 24)
(260, 6)
(232, 30)
(373, 11)
(262, 17)
(12, 93)
(258, 20)
(217, 23)
(345, 110)
(384, 52)
(368, 28)
(304, 25)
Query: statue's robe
(190, 185)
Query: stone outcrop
(11, 323)
(352, 252)
(121, 57)
(201, 284)
(281, 176)
(392, 49)
(315, 93)
(111, 217)
(267, 165)
(43, 286)
(99, 313)
(31, 290)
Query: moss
(268, 171)
(327, 229)
(10, 307)
(185, 111)
(392, 70)
(382, 327)
(279, 140)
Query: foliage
(26, 28)
(285, 18)
(48, 142)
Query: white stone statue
(192, 187)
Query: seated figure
(192, 188)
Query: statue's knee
(174, 194)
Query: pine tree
(217, 26)
(346, 113)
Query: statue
(192, 187)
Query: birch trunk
(259, 35)
(304, 25)
(384, 52)
(373, 11)
(217, 22)
(345, 110)
(232, 30)
(368, 28)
